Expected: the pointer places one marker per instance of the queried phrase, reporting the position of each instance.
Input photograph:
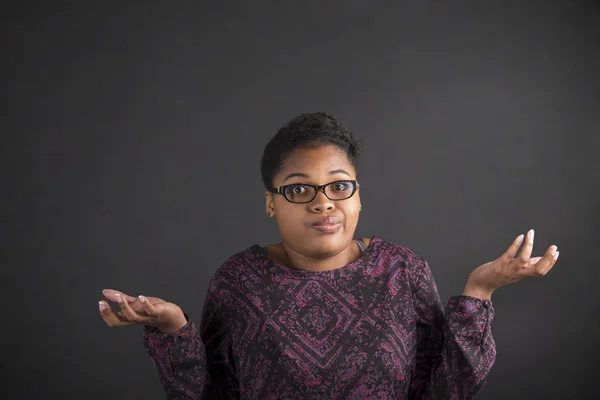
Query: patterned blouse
(373, 329)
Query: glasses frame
(281, 190)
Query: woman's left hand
(507, 269)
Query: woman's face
(321, 228)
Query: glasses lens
(299, 193)
(339, 190)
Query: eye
(297, 189)
(341, 186)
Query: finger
(149, 308)
(554, 260)
(534, 260)
(527, 247)
(111, 294)
(110, 317)
(154, 300)
(129, 312)
(544, 264)
(514, 247)
(526, 269)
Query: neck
(296, 260)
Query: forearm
(455, 355)
(179, 359)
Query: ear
(269, 204)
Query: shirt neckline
(283, 271)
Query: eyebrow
(301, 175)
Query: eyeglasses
(301, 193)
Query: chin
(328, 245)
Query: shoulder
(386, 248)
(237, 267)
(401, 256)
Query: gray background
(133, 131)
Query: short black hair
(307, 130)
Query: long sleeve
(216, 328)
(455, 349)
(179, 359)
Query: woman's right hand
(167, 317)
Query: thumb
(110, 295)
(534, 260)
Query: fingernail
(531, 233)
(103, 290)
(556, 255)
(101, 306)
(142, 298)
(520, 239)
(119, 298)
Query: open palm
(141, 310)
(508, 269)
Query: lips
(327, 225)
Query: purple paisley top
(374, 329)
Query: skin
(507, 269)
(305, 248)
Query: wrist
(477, 292)
(175, 325)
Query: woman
(322, 315)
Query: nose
(321, 203)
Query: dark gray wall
(132, 136)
